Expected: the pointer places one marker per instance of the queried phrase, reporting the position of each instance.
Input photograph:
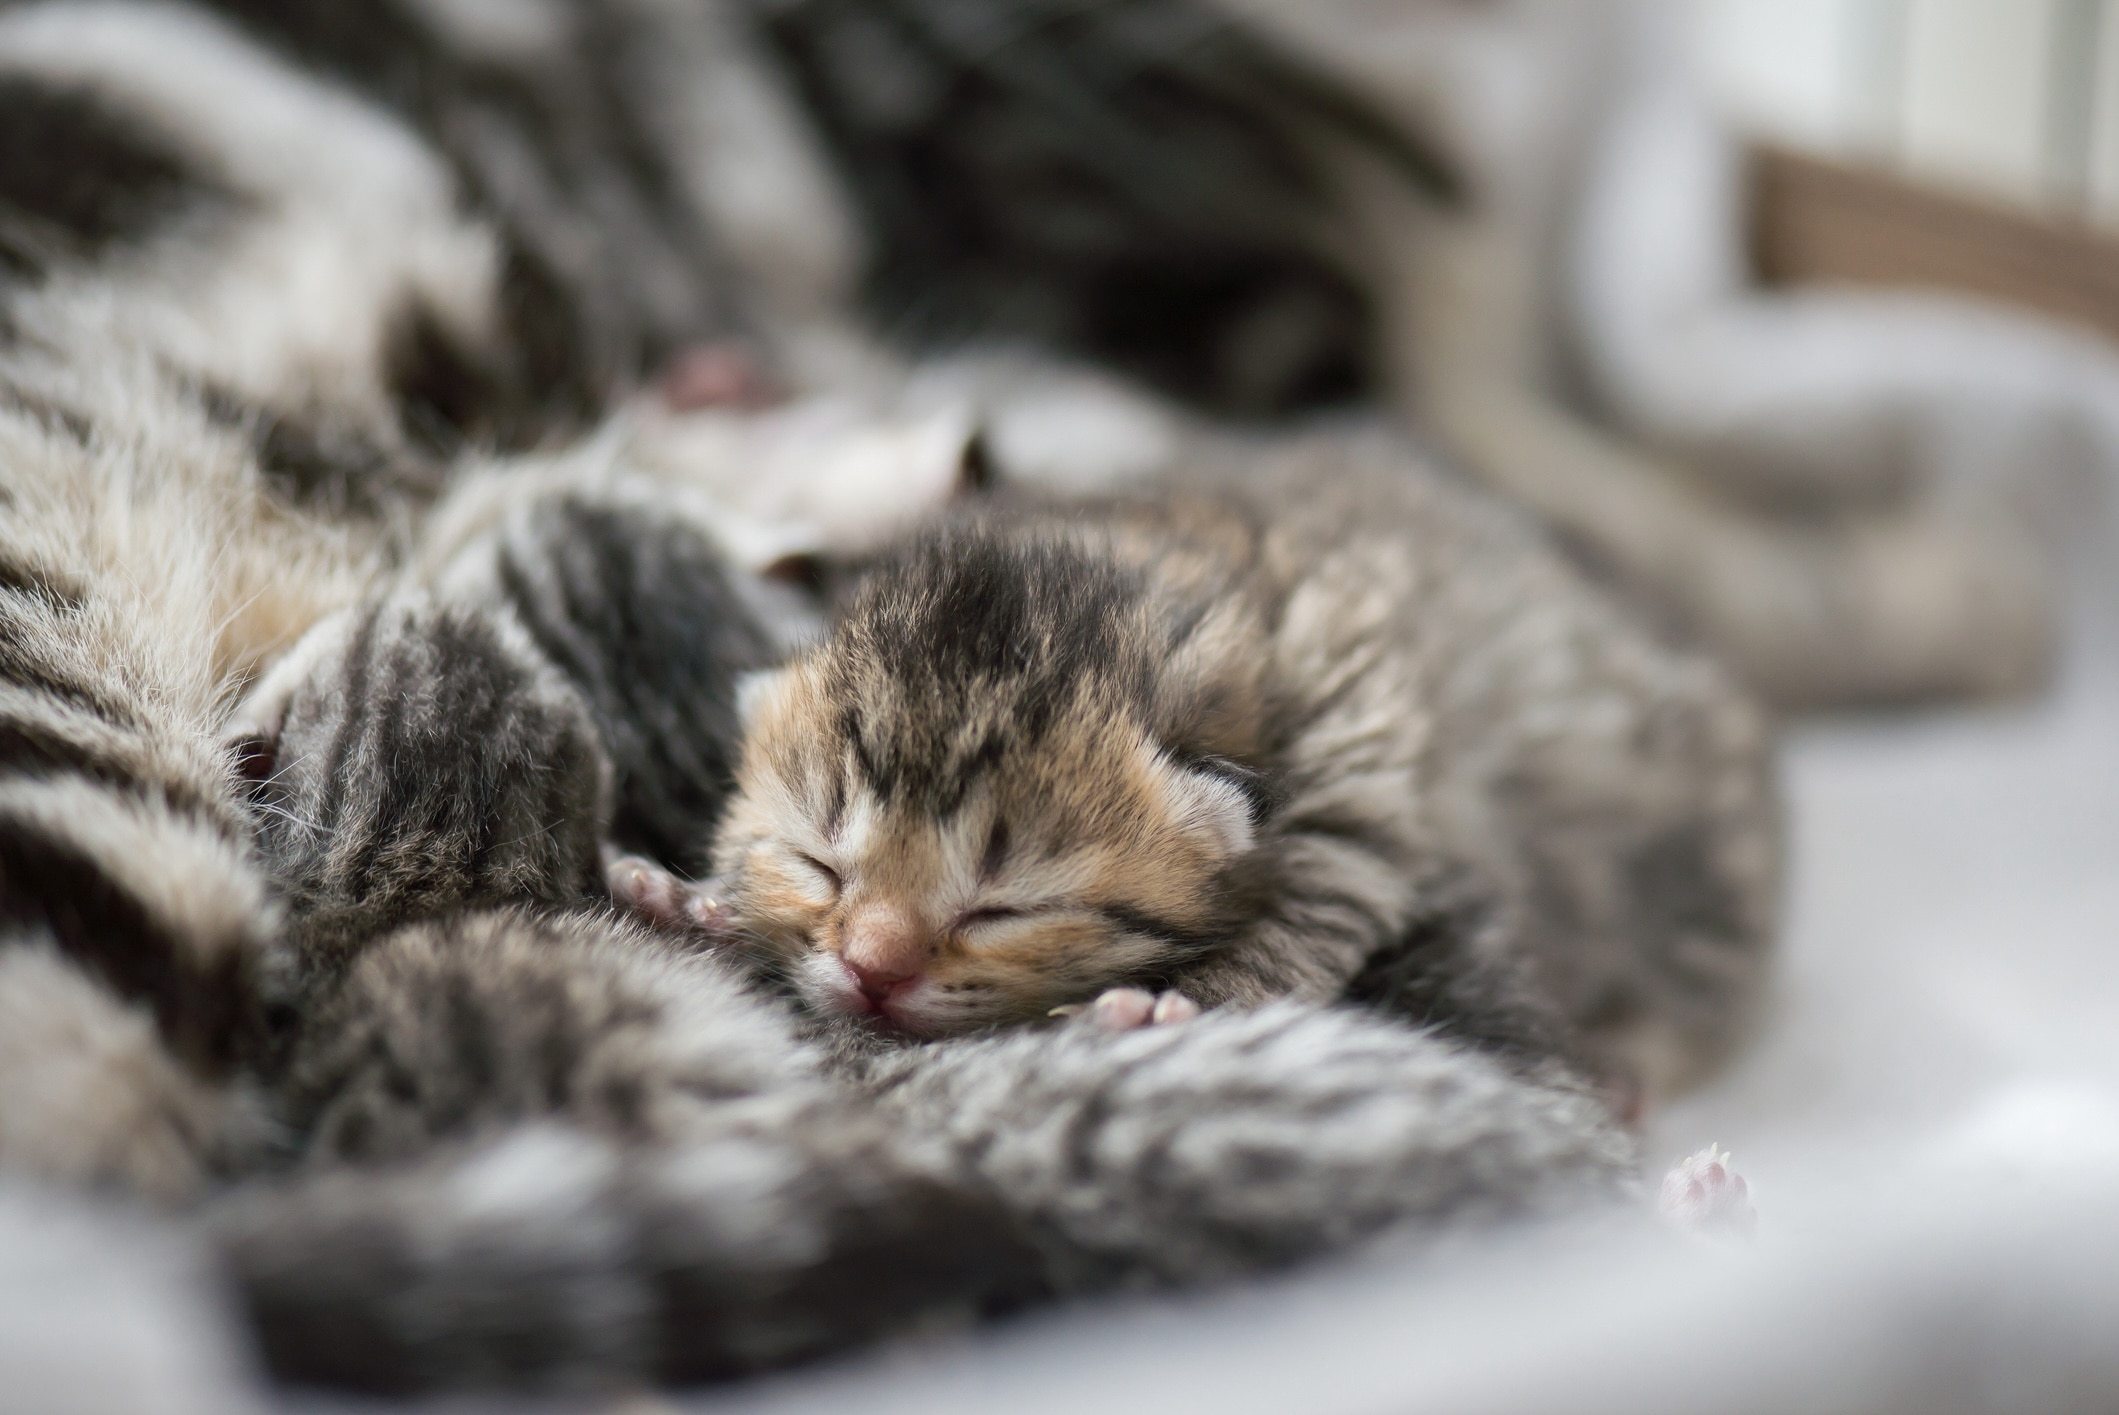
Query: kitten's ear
(1218, 800)
(755, 691)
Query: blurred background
(2016, 100)
(2010, 104)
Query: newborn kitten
(568, 684)
(1325, 726)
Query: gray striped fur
(794, 1201)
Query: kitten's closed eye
(824, 872)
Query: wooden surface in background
(1821, 221)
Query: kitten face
(959, 811)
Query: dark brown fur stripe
(26, 660)
(22, 576)
(78, 177)
(57, 743)
(1184, 943)
(199, 990)
(83, 727)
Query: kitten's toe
(1172, 1008)
(1128, 1009)
(705, 911)
(644, 888)
(1123, 1009)
(1704, 1194)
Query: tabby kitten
(539, 1146)
(1326, 724)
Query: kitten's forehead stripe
(996, 851)
(835, 803)
(976, 645)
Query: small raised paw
(1703, 1194)
(1128, 1009)
(649, 892)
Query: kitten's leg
(1246, 1140)
(557, 1259)
(588, 1158)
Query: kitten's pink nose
(884, 950)
(877, 987)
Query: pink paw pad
(1129, 1009)
(658, 898)
(1704, 1194)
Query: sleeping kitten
(538, 1146)
(1326, 726)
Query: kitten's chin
(831, 991)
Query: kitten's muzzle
(884, 951)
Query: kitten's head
(1001, 785)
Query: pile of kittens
(581, 823)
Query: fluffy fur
(146, 570)
(1136, 184)
(642, 614)
(413, 759)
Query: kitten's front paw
(1128, 1009)
(656, 897)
